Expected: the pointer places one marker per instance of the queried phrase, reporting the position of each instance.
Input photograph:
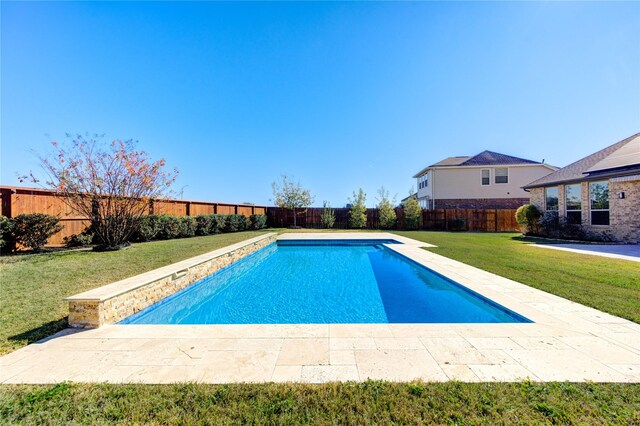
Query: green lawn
(610, 285)
(334, 403)
(33, 286)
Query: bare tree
(110, 183)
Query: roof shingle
(577, 171)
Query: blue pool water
(295, 282)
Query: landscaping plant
(528, 217)
(257, 221)
(34, 229)
(358, 210)
(386, 210)
(7, 237)
(291, 195)
(412, 213)
(110, 183)
(328, 216)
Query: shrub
(412, 213)
(169, 227)
(243, 222)
(188, 226)
(206, 224)
(34, 229)
(358, 210)
(78, 240)
(7, 237)
(328, 216)
(219, 224)
(258, 221)
(385, 209)
(146, 229)
(233, 223)
(528, 217)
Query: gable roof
(485, 158)
(490, 158)
(623, 155)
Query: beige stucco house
(600, 192)
(486, 180)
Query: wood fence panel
(482, 220)
(245, 210)
(19, 200)
(201, 208)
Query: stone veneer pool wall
(114, 302)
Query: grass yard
(610, 285)
(334, 403)
(33, 286)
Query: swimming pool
(325, 281)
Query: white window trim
(545, 199)
(482, 184)
(566, 210)
(495, 175)
(598, 210)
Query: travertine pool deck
(566, 341)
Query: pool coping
(113, 302)
(567, 341)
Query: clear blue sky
(340, 95)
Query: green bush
(146, 229)
(34, 229)
(205, 224)
(7, 237)
(243, 222)
(412, 214)
(258, 221)
(78, 240)
(219, 223)
(232, 223)
(235, 223)
(528, 217)
(188, 226)
(386, 212)
(169, 227)
(358, 210)
(328, 216)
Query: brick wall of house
(624, 214)
(482, 203)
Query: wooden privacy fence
(18, 200)
(491, 220)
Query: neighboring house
(600, 191)
(485, 181)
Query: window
(551, 198)
(486, 177)
(599, 196)
(423, 181)
(502, 175)
(573, 202)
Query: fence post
(6, 202)
(188, 208)
(495, 220)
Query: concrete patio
(566, 341)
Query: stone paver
(565, 341)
